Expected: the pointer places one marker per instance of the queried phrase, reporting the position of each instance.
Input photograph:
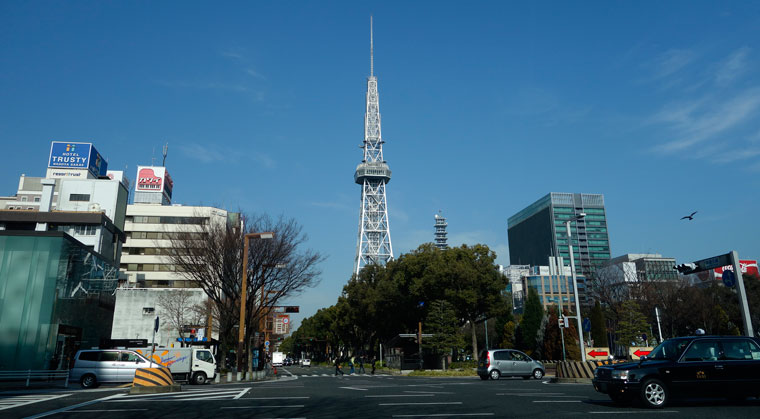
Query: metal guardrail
(29, 375)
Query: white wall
(129, 322)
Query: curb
(561, 380)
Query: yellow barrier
(151, 377)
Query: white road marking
(72, 407)
(443, 415)
(261, 407)
(403, 395)
(104, 410)
(11, 402)
(429, 392)
(557, 401)
(415, 404)
(630, 412)
(239, 395)
(355, 388)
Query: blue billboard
(70, 155)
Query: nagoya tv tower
(374, 242)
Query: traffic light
(686, 268)
(291, 309)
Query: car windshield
(671, 349)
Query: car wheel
(199, 378)
(538, 374)
(654, 394)
(495, 374)
(89, 381)
(483, 377)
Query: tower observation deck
(373, 245)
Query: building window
(24, 199)
(85, 230)
(148, 310)
(36, 199)
(79, 197)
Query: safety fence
(35, 375)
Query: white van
(95, 366)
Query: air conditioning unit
(95, 207)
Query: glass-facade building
(56, 297)
(555, 290)
(539, 231)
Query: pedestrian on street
(374, 360)
(361, 365)
(337, 367)
(351, 364)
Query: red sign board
(747, 267)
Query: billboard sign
(154, 179)
(71, 155)
(747, 267)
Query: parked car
(306, 362)
(95, 366)
(723, 366)
(497, 363)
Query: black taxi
(694, 366)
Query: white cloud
(202, 153)
(253, 73)
(672, 61)
(706, 120)
(733, 66)
(264, 160)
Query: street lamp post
(244, 294)
(575, 284)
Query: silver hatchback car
(497, 363)
(92, 367)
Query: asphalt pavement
(317, 393)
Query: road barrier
(579, 369)
(152, 377)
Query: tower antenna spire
(371, 49)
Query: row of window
(140, 219)
(19, 208)
(25, 199)
(81, 230)
(158, 251)
(155, 235)
(80, 197)
(151, 267)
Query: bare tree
(211, 256)
(178, 305)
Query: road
(317, 393)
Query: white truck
(193, 365)
(277, 359)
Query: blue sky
(486, 107)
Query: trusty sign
(637, 352)
(597, 353)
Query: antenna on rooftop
(153, 157)
(371, 49)
(166, 150)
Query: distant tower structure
(374, 242)
(440, 232)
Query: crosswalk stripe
(11, 402)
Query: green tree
(443, 324)
(472, 284)
(632, 324)
(508, 337)
(531, 321)
(598, 325)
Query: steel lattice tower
(440, 232)
(374, 242)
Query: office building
(539, 231)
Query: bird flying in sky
(690, 217)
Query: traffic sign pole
(746, 319)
